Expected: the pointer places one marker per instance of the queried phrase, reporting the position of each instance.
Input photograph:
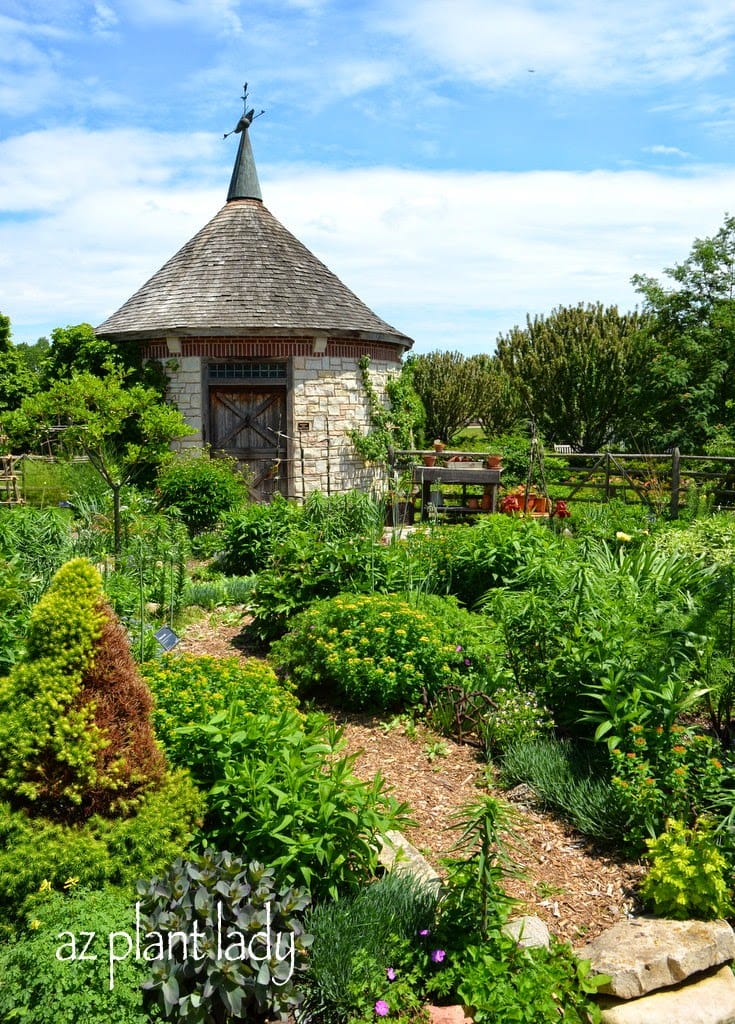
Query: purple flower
(458, 647)
(467, 661)
(437, 955)
(424, 932)
(390, 973)
(381, 1008)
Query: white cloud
(451, 259)
(105, 19)
(219, 17)
(667, 151)
(571, 42)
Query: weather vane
(248, 116)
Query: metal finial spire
(244, 183)
(248, 116)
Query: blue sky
(458, 163)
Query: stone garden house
(261, 343)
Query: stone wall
(185, 391)
(328, 395)
(326, 400)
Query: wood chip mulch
(577, 889)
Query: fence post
(675, 482)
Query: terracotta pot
(439, 446)
(487, 502)
(473, 503)
(494, 461)
(429, 460)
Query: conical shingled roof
(245, 274)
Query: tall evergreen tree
(574, 372)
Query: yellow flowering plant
(379, 652)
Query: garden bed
(577, 889)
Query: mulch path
(576, 888)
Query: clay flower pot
(429, 460)
(439, 445)
(494, 461)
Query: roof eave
(275, 332)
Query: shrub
(282, 790)
(688, 874)
(190, 688)
(253, 944)
(101, 850)
(75, 732)
(308, 569)
(201, 489)
(378, 652)
(252, 534)
(39, 986)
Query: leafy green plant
(251, 535)
(379, 652)
(503, 982)
(664, 772)
(307, 569)
(191, 689)
(46, 977)
(482, 966)
(225, 943)
(689, 875)
(281, 788)
(482, 860)
(201, 489)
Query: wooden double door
(248, 422)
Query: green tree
(450, 387)
(5, 342)
(77, 349)
(686, 391)
(574, 372)
(124, 431)
(499, 407)
(36, 355)
(16, 379)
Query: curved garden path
(576, 889)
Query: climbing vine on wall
(394, 423)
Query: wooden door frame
(280, 384)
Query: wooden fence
(660, 480)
